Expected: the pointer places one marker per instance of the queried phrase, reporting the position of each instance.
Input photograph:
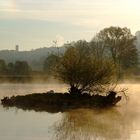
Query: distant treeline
(114, 43)
(35, 58)
(14, 71)
(20, 71)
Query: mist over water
(10, 89)
(119, 123)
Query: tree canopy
(50, 62)
(22, 68)
(91, 66)
(3, 68)
(119, 45)
(84, 72)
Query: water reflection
(119, 123)
(95, 125)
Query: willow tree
(84, 72)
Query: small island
(58, 102)
(90, 69)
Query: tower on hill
(17, 48)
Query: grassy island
(58, 102)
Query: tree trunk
(74, 90)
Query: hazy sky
(36, 23)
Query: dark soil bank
(58, 102)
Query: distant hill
(35, 58)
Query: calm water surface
(119, 123)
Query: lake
(118, 123)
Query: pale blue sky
(36, 23)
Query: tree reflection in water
(84, 124)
